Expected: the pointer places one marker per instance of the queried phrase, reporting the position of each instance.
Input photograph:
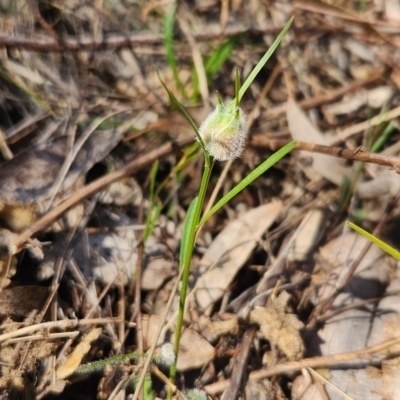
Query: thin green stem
(187, 257)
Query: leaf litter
(80, 100)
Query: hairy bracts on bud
(224, 131)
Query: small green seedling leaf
(153, 174)
(151, 220)
(214, 63)
(384, 246)
(155, 206)
(253, 175)
(264, 59)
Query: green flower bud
(224, 131)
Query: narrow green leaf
(169, 22)
(174, 101)
(214, 63)
(153, 174)
(380, 243)
(148, 388)
(154, 209)
(151, 219)
(264, 59)
(188, 155)
(268, 163)
(383, 138)
(237, 87)
(188, 227)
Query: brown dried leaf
(306, 236)
(264, 390)
(194, 351)
(157, 271)
(30, 174)
(303, 130)
(121, 193)
(22, 300)
(279, 327)
(75, 358)
(215, 329)
(17, 217)
(230, 250)
(358, 327)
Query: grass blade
(219, 57)
(264, 59)
(169, 46)
(268, 163)
(380, 243)
(175, 103)
(188, 226)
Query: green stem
(185, 262)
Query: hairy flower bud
(224, 131)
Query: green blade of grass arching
(380, 243)
(268, 163)
(264, 59)
(174, 101)
(169, 46)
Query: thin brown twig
(347, 154)
(98, 185)
(63, 324)
(342, 359)
(325, 98)
(333, 313)
(49, 44)
(334, 11)
(240, 366)
(326, 305)
(156, 338)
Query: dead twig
(343, 359)
(240, 366)
(49, 44)
(325, 98)
(98, 185)
(359, 155)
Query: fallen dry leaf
(303, 130)
(357, 327)
(278, 326)
(22, 300)
(156, 272)
(194, 352)
(74, 359)
(306, 236)
(230, 250)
